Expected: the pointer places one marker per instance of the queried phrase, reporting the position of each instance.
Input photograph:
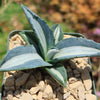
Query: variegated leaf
(20, 58)
(75, 52)
(78, 42)
(42, 31)
(58, 72)
(57, 32)
(76, 47)
(29, 38)
(51, 53)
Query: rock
(70, 74)
(9, 95)
(9, 88)
(72, 80)
(39, 97)
(75, 85)
(58, 89)
(11, 72)
(49, 80)
(26, 96)
(72, 64)
(34, 97)
(7, 75)
(42, 85)
(9, 81)
(38, 76)
(88, 92)
(54, 95)
(10, 92)
(79, 61)
(90, 97)
(67, 36)
(65, 90)
(48, 92)
(14, 98)
(17, 93)
(21, 80)
(81, 93)
(69, 69)
(55, 99)
(31, 82)
(34, 90)
(86, 79)
(18, 74)
(59, 96)
(77, 75)
(66, 95)
(70, 98)
(79, 68)
(76, 72)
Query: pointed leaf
(51, 53)
(22, 33)
(30, 39)
(57, 32)
(76, 47)
(74, 34)
(58, 72)
(42, 31)
(20, 58)
(77, 42)
(75, 52)
(28, 36)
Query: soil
(36, 84)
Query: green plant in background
(47, 49)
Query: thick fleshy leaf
(20, 58)
(76, 47)
(78, 42)
(22, 33)
(74, 34)
(75, 52)
(29, 38)
(42, 31)
(58, 72)
(57, 32)
(51, 53)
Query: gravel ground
(38, 85)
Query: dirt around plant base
(36, 84)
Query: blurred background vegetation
(81, 16)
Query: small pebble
(48, 92)
(9, 81)
(86, 79)
(39, 96)
(72, 80)
(34, 90)
(90, 97)
(26, 96)
(21, 80)
(42, 85)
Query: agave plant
(45, 48)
